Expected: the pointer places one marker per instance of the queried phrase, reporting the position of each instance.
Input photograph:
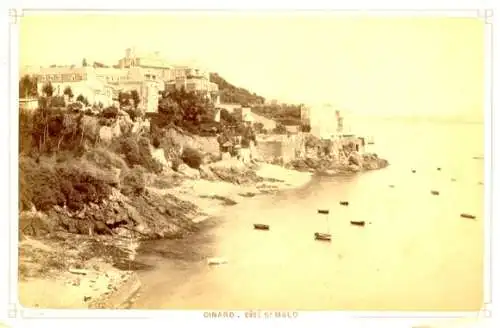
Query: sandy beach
(96, 283)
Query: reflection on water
(415, 252)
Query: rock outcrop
(188, 172)
(352, 163)
(234, 171)
(146, 216)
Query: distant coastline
(422, 119)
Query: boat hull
(261, 226)
(322, 236)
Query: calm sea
(415, 252)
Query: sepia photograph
(252, 164)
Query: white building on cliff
(328, 122)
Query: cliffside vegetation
(235, 95)
(284, 114)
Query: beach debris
(358, 223)
(247, 194)
(259, 226)
(453, 179)
(391, 186)
(86, 298)
(323, 211)
(216, 261)
(468, 216)
(413, 171)
(78, 271)
(435, 192)
(344, 203)
(225, 200)
(480, 183)
(322, 236)
(478, 157)
(439, 169)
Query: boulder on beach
(373, 162)
(206, 173)
(185, 170)
(225, 156)
(234, 171)
(354, 168)
(355, 158)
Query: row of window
(112, 78)
(62, 77)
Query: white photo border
(15, 308)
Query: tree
(58, 101)
(280, 129)
(82, 99)
(124, 98)
(258, 127)
(135, 97)
(189, 110)
(68, 92)
(84, 62)
(28, 87)
(171, 110)
(48, 89)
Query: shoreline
(103, 275)
(96, 282)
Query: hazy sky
(370, 65)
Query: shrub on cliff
(134, 113)
(39, 185)
(280, 129)
(137, 153)
(83, 182)
(74, 183)
(110, 112)
(192, 157)
(105, 158)
(133, 181)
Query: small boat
(322, 236)
(468, 216)
(259, 226)
(435, 192)
(439, 169)
(358, 223)
(216, 261)
(344, 203)
(323, 211)
(413, 171)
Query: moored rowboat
(468, 216)
(261, 226)
(358, 223)
(322, 236)
(216, 261)
(323, 211)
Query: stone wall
(284, 147)
(290, 147)
(205, 144)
